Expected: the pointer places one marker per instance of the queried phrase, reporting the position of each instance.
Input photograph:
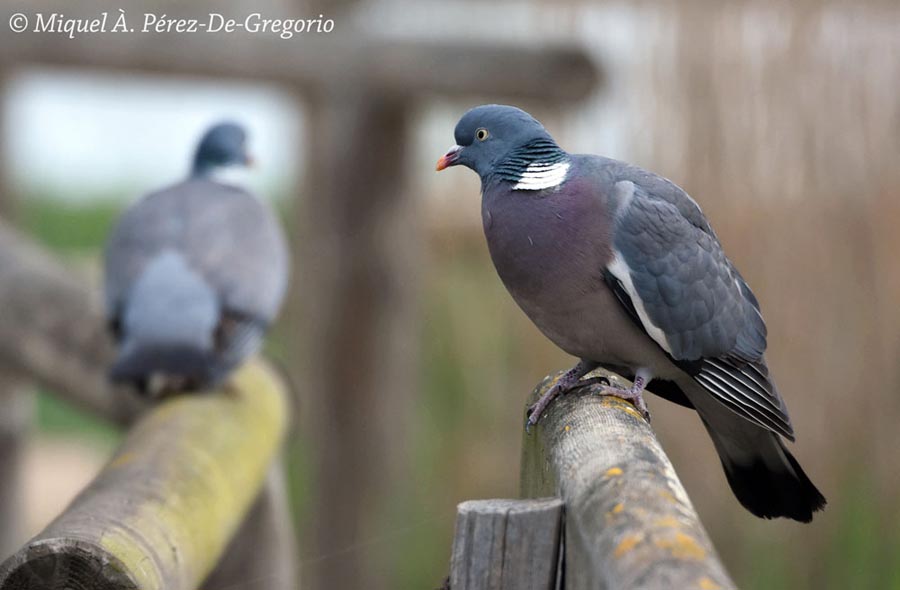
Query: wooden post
(163, 510)
(357, 247)
(15, 419)
(629, 523)
(506, 545)
(16, 400)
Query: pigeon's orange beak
(451, 158)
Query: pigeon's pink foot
(633, 394)
(566, 383)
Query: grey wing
(670, 272)
(236, 243)
(146, 228)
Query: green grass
(67, 226)
(56, 417)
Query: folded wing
(670, 272)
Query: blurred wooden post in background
(15, 420)
(16, 400)
(362, 360)
(628, 521)
(360, 247)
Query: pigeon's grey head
(487, 134)
(223, 145)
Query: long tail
(137, 364)
(763, 474)
(166, 326)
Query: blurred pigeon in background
(195, 273)
(619, 267)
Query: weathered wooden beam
(16, 403)
(263, 553)
(15, 399)
(506, 545)
(161, 513)
(536, 71)
(629, 523)
(53, 332)
(53, 329)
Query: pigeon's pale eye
(481, 134)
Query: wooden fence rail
(173, 499)
(540, 71)
(15, 421)
(162, 511)
(54, 331)
(628, 522)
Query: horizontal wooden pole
(16, 408)
(629, 522)
(263, 553)
(163, 510)
(506, 545)
(534, 70)
(53, 329)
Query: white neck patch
(541, 175)
(233, 175)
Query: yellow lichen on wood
(668, 496)
(627, 544)
(627, 407)
(212, 460)
(668, 521)
(706, 584)
(682, 546)
(168, 503)
(608, 464)
(616, 510)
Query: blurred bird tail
(763, 474)
(166, 327)
(183, 367)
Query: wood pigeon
(195, 273)
(618, 266)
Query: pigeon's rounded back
(226, 234)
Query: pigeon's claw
(569, 381)
(634, 394)
(537, 409)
